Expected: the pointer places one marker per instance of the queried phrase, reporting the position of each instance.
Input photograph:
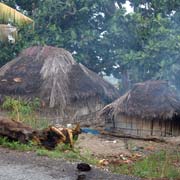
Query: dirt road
(28, 166)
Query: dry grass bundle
(8, 33)
(10, 15)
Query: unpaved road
(16, 165)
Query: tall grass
(157, 165)
(24, 111)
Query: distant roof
(8, 15)
(148, 100)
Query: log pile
(49, 137)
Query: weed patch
(157, 165)
(24, 111)
(63, 151)
(16, 145)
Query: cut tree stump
(49, 137)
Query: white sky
(129, 9)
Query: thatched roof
(52, 75)
(147, 100)
(8, 15)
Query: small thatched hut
(67, 89)
(149, 108)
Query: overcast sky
(129, 9)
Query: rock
(83, 167)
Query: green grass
(62, 151)
(24, 111)
(157, 165)
(162, 164)
(16, 145)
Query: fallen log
(54, 135)
(15, 130)
(49, 137)
(115, 134)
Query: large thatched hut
(67, 89)
(151, 108)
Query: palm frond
(10, 15)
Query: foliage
(62, 151)
(16, 145)
(68, 154)
(22, 110)
(133, 47)
(158, 165)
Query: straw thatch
(52, 75)
(10, 15)
(148, 100)
(151, 108)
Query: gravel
(28, 166)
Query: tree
(75, 25)
(133, 47)
(144, 43)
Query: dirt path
(27, 166)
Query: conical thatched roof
(52, 75)
(147, 100)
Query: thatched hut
(151, 108)
(67, 89)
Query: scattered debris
(69, 125)
(137, 148)
(103, 162)
(17, 80)
(90, 131)
(150, 148)
(114, 141)
(4, 80)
